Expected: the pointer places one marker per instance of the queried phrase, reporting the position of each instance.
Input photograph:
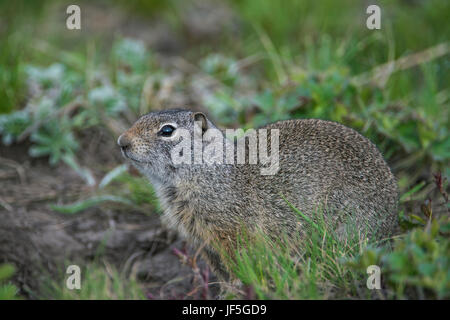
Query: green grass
(322, 265)
(417, 266)
(98, 282)
(310, 266)
(8, 291)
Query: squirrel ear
(200, 117)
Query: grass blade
(87, 203)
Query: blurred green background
(247, 62)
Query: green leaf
(8, 292)
(417, 218)
(427, 269)
(441, 150)
(6, 271)
(87, 203)
(414, 190)
(117, 171)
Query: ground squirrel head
(149, 142)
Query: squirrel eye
(166, 131)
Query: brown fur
(323, 166)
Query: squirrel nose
(123, 141)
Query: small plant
(49, 77)
(418, 265)
(117, 186)
(55, 140)
(131, 55)
(8, 291)
(418, 262)
(308, 268)
(13, 125)
(133, 65)
(138, 190)
(107, 99)
(221, 67)
(99, 282)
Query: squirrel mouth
(126, 155)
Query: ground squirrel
(321, 165)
